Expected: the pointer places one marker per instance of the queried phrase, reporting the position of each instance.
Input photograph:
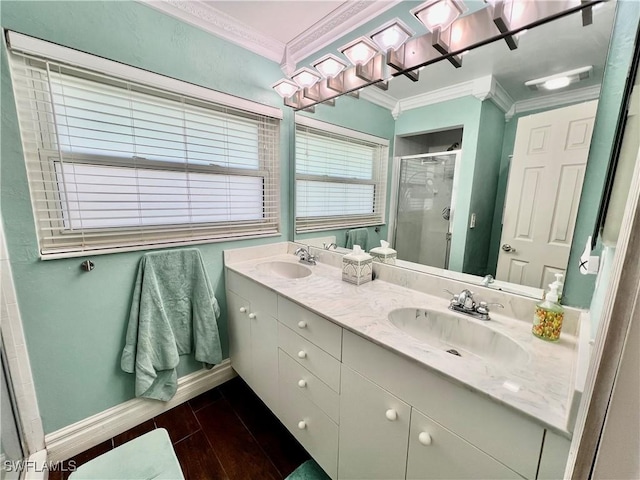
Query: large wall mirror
(487, 175)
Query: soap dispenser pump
(549, 314)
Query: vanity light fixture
(360, 51)
(305, 77)
(501, 12)
(439, 14)
(451, 35)
(390, 39)
(285, 88)
(560, 80)
(391, 36)
(329, 66)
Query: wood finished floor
(225, 433)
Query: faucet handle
(483, 309)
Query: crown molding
(483, 88)
(377, 96)
(554, 100)
(501, 98)
(202, 15)
(341, 21)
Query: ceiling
(281, 20)
(294, 32)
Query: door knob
(391, 414)
(302, 383)
(302, 324)
(243, 310)
(302, 354)
(508, 248)
(302, 424)
(252, 316)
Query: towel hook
(87, 265)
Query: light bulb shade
(329, 66)
(560, 80)
(360, 51)
(305, 77)
(391, 35)
(557, 83)
(439, 13)
(285, 88)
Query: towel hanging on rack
(357, 236)
(173, 312)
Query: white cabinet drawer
(263, 300)
(318, 330)
(435, 453)
(499, 431)
(294, 375)
(313, 358)
(314, 430)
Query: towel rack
(87, 265)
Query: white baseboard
(73, 439)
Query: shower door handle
(508, 248)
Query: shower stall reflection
(424, 215)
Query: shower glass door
(424, 213)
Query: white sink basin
(468, 338)
(284, 269)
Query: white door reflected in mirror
(543, 192)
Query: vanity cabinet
(253, 335)
(436, 453)
(365, 412)
(310, 350)
(374, 427)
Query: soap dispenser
(560, 285)
(549, 314)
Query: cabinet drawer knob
(302, 324)
(302, 354)
(243, 309)
(302, 383)
(391, 414)
(424, 438)
(302, 424)
(252, 316)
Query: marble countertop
(542, 388)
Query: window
(115, 163)
(341, 177)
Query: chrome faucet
(305, 256)
(464, 302)
(327, 246)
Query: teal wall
(75, 322)
(462, 112)
(580, 287)
(485, 187)
(365, 117)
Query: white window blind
(341, 178)
(116, 164)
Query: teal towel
(173, 312)
(309, 470)
(357, 236)
(148, 457)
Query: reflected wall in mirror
(508, 216)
